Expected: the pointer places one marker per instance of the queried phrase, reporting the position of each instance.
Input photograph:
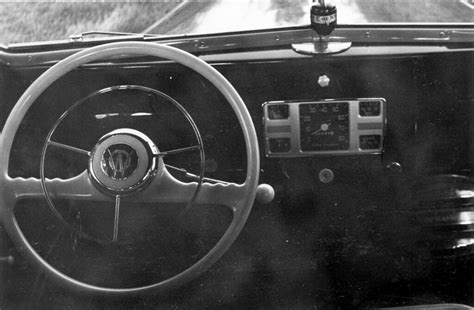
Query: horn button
(123, 162)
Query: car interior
(320, 166)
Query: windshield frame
(400, 33)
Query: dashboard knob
(326, 175)
(265, 193)
(394, 167)
(323, 81)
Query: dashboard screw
(201, 45)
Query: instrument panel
(330, 126)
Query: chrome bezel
(376, 126)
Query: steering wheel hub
(123, 162)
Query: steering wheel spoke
(179, 151)
(116, 218)
(69, 147)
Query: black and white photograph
(237, 154)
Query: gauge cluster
(342, 126)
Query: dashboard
(367, 173)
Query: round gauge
(324, 126)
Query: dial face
(324, 126)
(369, 108)
(369, 142)
(280, 111)
(280, 145)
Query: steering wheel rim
(8, 196)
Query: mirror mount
(323, 21)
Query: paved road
(230, 15)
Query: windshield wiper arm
(80, 37)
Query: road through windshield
(228, 15)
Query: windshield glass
(39, 21)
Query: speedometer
(324, 126)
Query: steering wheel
(156, 184)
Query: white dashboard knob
(323, 81)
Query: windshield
(40, 21)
